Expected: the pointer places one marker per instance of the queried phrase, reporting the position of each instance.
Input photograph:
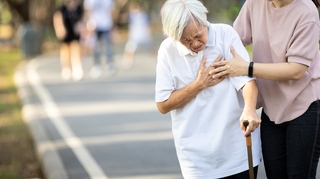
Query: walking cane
(249, 144)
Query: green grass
(17, 155)
(249, 49)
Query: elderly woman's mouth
(197, 49)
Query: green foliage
(5, 14)
(233, 12)
(5, 17)
(249, 49)
(15, 162)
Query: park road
(105, 128)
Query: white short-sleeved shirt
(207, 134)
(100, 13)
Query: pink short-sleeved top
(288, 34)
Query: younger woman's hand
(235, 66)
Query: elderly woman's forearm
(180, 98)
(250, 94)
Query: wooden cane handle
(245, 123)
(248, 137)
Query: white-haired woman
(205, 112)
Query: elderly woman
(205, 112)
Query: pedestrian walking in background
(139, 33)
(66, 21)
(286, 62)
(100, 20)
(206, 114)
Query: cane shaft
(248, 140)
(251, 172)
(249, 150)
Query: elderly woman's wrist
(198, 85)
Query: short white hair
(176, 14)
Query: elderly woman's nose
(194, 42)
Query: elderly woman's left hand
(203, 77)
(235, 66)
(253, 119)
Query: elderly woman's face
(195, 36)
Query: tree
(31, 10)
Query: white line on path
(88, 162)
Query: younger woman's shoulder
(307, 10)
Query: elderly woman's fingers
(253, 123)
(213, 82)
(203, 62)
(247, 130)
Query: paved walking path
(73, 123)
(49, 102)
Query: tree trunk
(21, 8)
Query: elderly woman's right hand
(204, 78)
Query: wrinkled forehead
(192, 29)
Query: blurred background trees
(14, 13)
(42, 10)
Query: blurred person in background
(66, 22)
(99, 20)
(207, 115)
(139, 33)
